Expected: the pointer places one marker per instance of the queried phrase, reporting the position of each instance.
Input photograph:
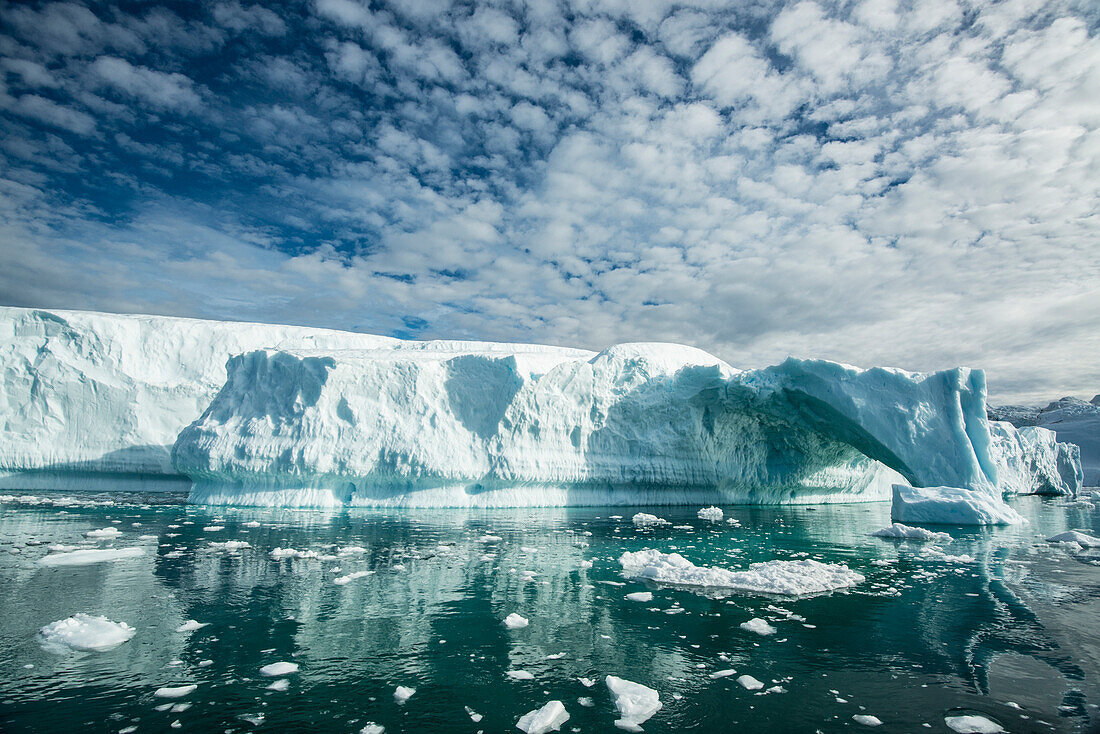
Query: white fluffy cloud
(892, 182)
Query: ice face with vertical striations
(281, 415)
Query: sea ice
(951, 506)
(640, 596)
(759, 626)
(84, 633)
(86, 557)
(371, 728)
(175, 691)
(519, 675)
(789, 578)
(191, 625)
(714, 514)
(972, 724)
(281, 668)
(906, 532)
(403, 693)
(514, 622)
(867, 720)
(280, 685)
(108, 533)
(645, 520)
(749, 683)
(548, 718)
(723, 673)
(341, 580)
(1073, 536)
(636, 703)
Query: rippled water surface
(995, 621)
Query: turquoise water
(998, 622)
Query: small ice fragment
(759, 626)
(972, 724)
(584, 564)
(906, 532)
(749, 683)
(252, 524)
(84, 633)
(474, 716)
(519, 675)
(175, 691)
(490, 538)
(867, 720)
(636, 703)
(280, 685)
(722, 673)
(714, 514)
(587, 682)
(274, 670)
(548, 718)
(103, 533)
(640, 596)
(586, 701)
(254, 719)
(403, 694)
(643, 519)
(514, 622)
(342, 580)
(213, 528)
(372, 728)
(86, 557)
(191, 625)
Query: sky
(912, 184)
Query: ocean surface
(996, 622)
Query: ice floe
(84, 633)
(548, 718)
(636, 703)
(906, 532)
(86, 557)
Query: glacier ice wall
(268, 414)
(1030, 460)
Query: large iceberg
(1074, 422)
(280, 415)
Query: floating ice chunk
(107, 533)
(86, 557)
(371, 728)
(403, 693)
(759, 626)
(1073, 536)
(519, 675)
(749, 683)
(191, 625)
(280, 685)
(636, 703)
(490, 538)
(722, 673)
(587, 682)
(867, 720)
(175, 691)
(279, 554)
(474, 716)
(586, 701)
(644, 520)
(252, 524)
(213, 528)
(714, 514)
(231, 545)
(951, 506)
(791, 578)
(548, 718)
(906, 532)
(84, 633)
(971, 724)
(514, 622)
(281, 668)
(640, 596)
(341, 580)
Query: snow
(972, 724)
(191, 625)
(642, 596)
(636, 703)
(273, 415)
(84, 633)
(514, 622)
(749, 683)
(548, 718)
(403, 693)
(905, 532)
(175, 691)
(951, 506)
(714, 514)
(789, 578)
(645, 520)
(1074, 536)
(87, 557)
(759, 626)
(279, 669)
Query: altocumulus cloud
(905, 183)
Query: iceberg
(268, 415)
(1073, 421)
(950, 506)
(1030, 460)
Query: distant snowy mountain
(1073, 420)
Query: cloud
(880, 182)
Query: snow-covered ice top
(280, 415)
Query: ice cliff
(262, 414)
(1074, 422)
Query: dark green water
(1016, 624)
